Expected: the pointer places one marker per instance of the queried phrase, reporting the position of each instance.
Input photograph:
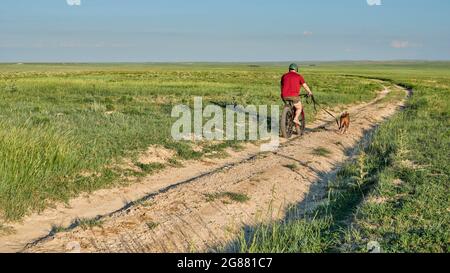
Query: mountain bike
(287, 125)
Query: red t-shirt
(291, 84)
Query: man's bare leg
(298, 112)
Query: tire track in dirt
(186, 217)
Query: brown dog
(344, 123)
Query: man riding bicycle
(291, 84)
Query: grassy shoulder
(396, 193)
(408, 208)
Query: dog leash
(315, 104)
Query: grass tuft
(151, 225)
(321, 151)
(235, 197)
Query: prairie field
(61, 121)
(65, 129)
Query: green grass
(292, 167)
(89, 223)
(414, 183)
(235, 197)
(58, 121)
(58, 229)
(83, 223)
(34, 163)
(150, 168)
(396, 192)
(151, 225)
(321, 151)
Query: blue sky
(223, 30)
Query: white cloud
(307, 33)
(73, 2)
(374, 2)
(399, 44)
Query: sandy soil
(181, 209)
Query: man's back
(291, 83)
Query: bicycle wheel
(301, 129)
(287, 122)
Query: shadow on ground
(317, 196)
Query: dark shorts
(295, 100)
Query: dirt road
(206, 204)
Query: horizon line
(224, 62)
